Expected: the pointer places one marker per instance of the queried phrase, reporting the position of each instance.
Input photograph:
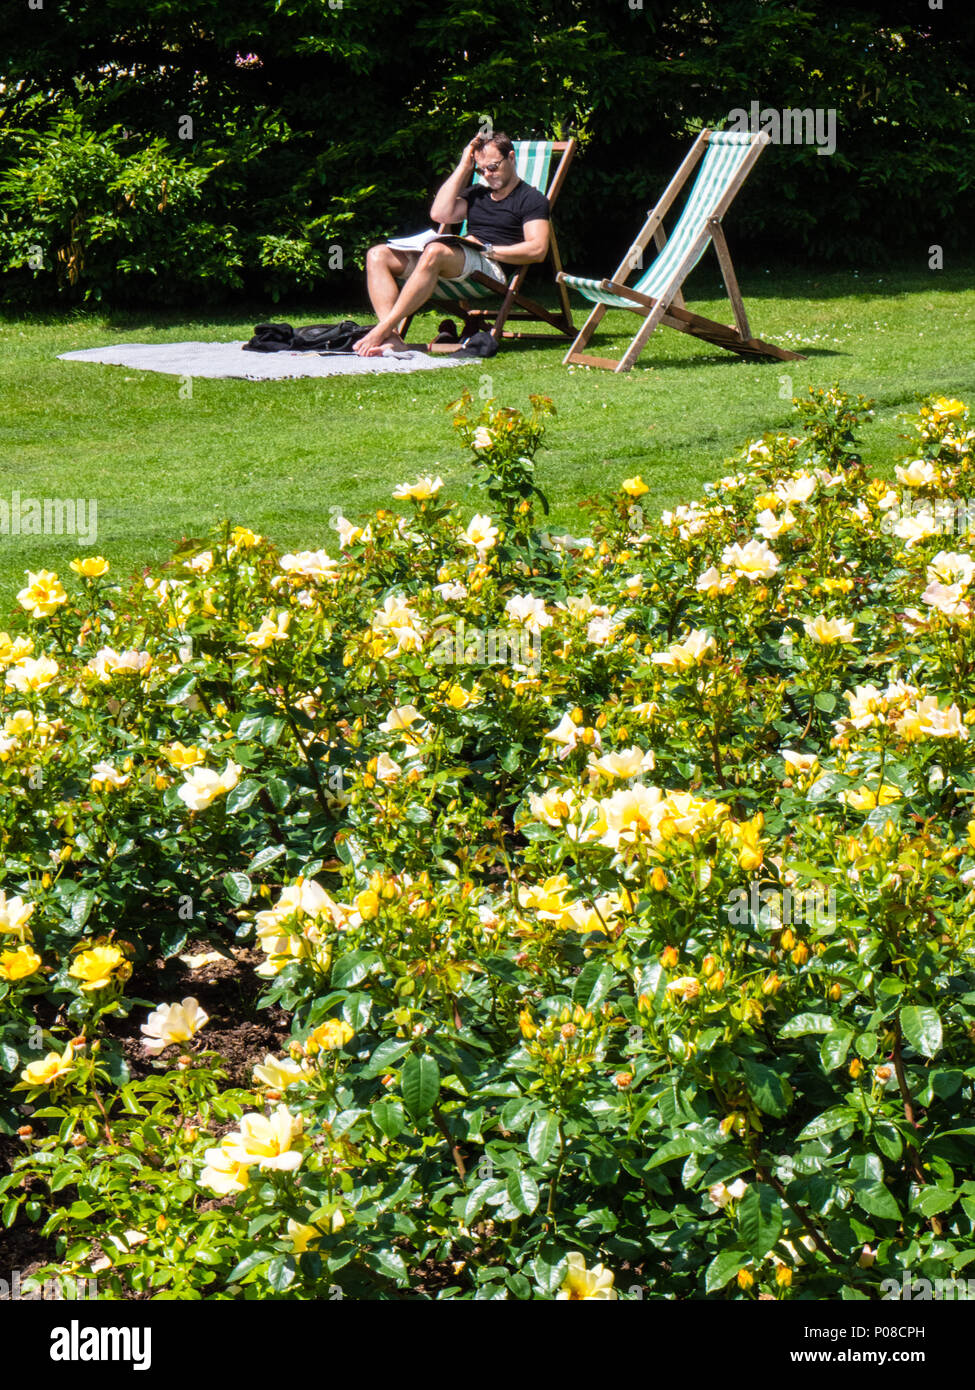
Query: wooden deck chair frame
(476, 316)
(669, 308)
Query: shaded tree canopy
(181, 147)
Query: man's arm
(533, 248)
(447, 205)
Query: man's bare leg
(383, 265)
(436, 260)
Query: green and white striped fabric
(722, 160)
(533, 159)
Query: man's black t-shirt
(503, 223)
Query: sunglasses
(488, 168)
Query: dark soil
(228, 990)
(22, 1247)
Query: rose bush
(643, 967)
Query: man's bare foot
(377, 340)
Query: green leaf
(722, 1268)
(522, 1191)
(238, 888)
(388, 1115)
(770, 1092)
(678, 1147)
(242, 795)
(81, 906)
(351, 968)
(281, 1272)
(826, 1122)
(490, 1187)
(542, 1136)
(62, 1178)
(889, 1142)
(922, 1028)
(834, 1048)
(9, 1056)
(386, 1055)
(183, 687)
(272, 727)
(420, 1085)
(249, 1262)
(800, 1024)
(279, 792)
(515, 1114)
(388, 1262)
(932, 1200)
(875, 1199)
(593, 983)
(265, 856)
(549, 1267)
(511, 758)
(826, 701)
(760, 1218)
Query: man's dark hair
(499, 139)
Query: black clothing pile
(316, 337)
(327, 338)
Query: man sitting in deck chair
(506, 217)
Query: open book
(421, 239)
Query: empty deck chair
(726, 159)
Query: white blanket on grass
(228, 360)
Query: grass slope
(279, 455)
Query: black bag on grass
(271, 337)
(314, 337)
(481, 344)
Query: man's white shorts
(473, 260)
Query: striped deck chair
(726, 161)
(473, 294)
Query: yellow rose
(18, 964)
(49, 1068)
(329, 1036)
(43, 594)
(367, 904)
(634, 487)
(14, 648)
(15, 913)
(419, 491)
(581, 1282)
(244, 539)
(91, 567)
(30, 674)
(94, 967)
(263, 1140)
(179, 755)
(458, 697)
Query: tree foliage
(183, 147)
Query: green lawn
(279, 455)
